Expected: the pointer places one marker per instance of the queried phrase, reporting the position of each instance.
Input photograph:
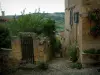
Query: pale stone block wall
(87, 40)
(16, 48)
(41, 52)
(66, 33)
(91, 3)
(74, 33)
(80, 31)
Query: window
(71, 17)
(76, 17)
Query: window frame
(76, 17)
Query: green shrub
(73, 52)
(92, 51)
(57, 45)
(4, 37)
(76, 65)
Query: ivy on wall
(94, 16)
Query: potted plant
(93, 53)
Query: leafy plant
(58, 45)
(76, 65)
(94, 16)
(95, 30)
(27, 23)
(90, 51)
(37, 23)
(73, 52)
(94, 54)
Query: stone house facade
(77, 26)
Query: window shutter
(76, 17)
(71, 17)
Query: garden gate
(27, 48)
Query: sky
(12, 7)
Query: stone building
(31, 48)
(77, 26)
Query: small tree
(27, 23)
(35, 22)
(49, 30)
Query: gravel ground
(59, 67)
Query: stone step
(27, 66)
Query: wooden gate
(27, 48)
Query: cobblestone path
(60, 67)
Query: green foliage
(95, 30)
(59, 20)
(36, 22)
(76, 65)
(92, 51)
(73, 52)
(4, 37)
(58, 45)
(33, 22)
(49, 28)
(94, 16)
(27, 23)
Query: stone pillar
(16, 48)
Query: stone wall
(16, 48)
(41, 51)
(75, 33)
(91, 3)
(88, 41)
(80, 31)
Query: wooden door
(27, 49)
